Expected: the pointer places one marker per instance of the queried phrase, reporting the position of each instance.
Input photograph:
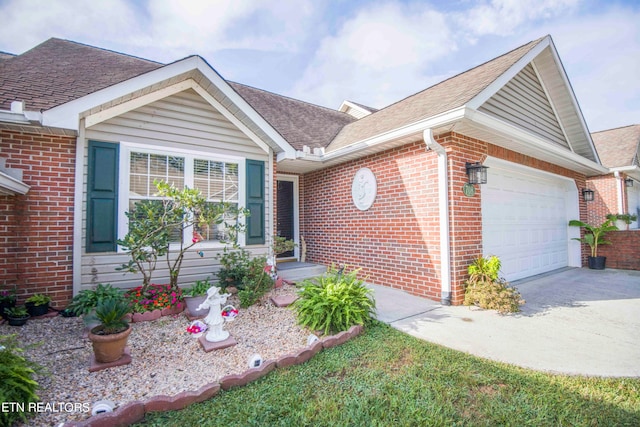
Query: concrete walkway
(575, 321)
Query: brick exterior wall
(36, 229)
(624, 252)
(605, 198)
(396, 242)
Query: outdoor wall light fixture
(587, 195)
(477, 173)
(628, 182)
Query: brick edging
(135, 411)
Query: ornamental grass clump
(334, 302)
(487, 290)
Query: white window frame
(189, 156)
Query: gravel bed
(166, 358)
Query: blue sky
(371, 52)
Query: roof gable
(440, 98)
(523, 102)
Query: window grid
(217, 180)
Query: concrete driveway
(575, 321)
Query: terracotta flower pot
(108, 348)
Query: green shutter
(255, 202)
(102, 197)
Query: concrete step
(298, 271)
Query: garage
(525, 213)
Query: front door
(286, 223)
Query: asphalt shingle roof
(444, 96)
(299, 122)
(618, 147)
(58, 71)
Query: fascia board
(111, 112)
(632, 171)
(442, 119)
(501, 81)
(348, 104)
(573, 99)
(517, 134)
(244, 106)
(12, 185)
(67, 115)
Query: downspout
(443, 206)
(619, 192)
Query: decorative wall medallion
(469, 190)
(364, 189)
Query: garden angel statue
(214, 319)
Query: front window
(217, 179)
(218, 182)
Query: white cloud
(503, 17)
(26, 23)
(200, 26)
(376, 55)
(166, 31)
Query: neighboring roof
(618, 147)
(364, 107)
(6, 55)
(300, 123)
(444, 96)
(58, 71)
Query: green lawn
(387, 378)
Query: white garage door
(524, 220)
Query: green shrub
(234, 266)
(334, 302)
(17, 312)
(197, 289)
(88, 299)
(487, 290)
(255, 283)
(16, 380)
(39, 299)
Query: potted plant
(17, 316)
(38, 304)
(7, 300)
(195, 295)
(622, 221)
(593, 237)
(109, 338)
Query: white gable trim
(501, 81)
(559, 154)
(68, 115)
(347, 105)
(11, 186)
(125, 107)
(553, 106)
(530, 56)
